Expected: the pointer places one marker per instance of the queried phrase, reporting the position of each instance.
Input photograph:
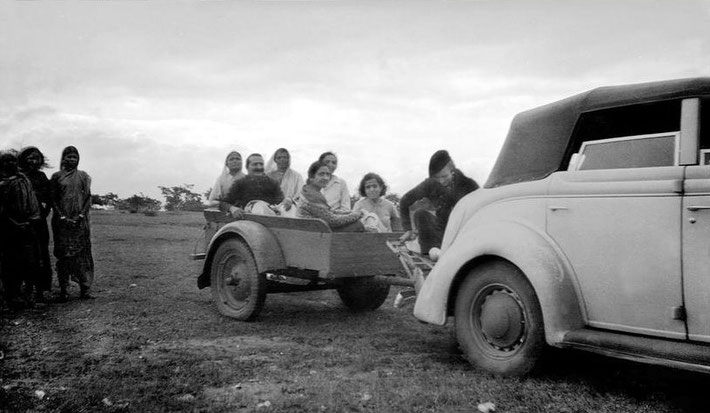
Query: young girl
(372, 190)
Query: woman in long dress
(31, 162)
(71, 200)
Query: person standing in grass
(231, 173)
(19, 245)
(71, 200)
(373, 190)
(31, 161)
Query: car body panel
(696, 251)
(620, 230)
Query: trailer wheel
(363, 294)
(499, 321)
(238, 290)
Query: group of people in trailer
(26, 199)
(274, 188)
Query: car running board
(659, 351)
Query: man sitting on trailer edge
(443, 189)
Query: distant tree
(138, 203)
(181, 198)
(206, 194)
(108, 199)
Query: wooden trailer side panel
(354, 254)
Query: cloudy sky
(157, 93)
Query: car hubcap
(502, 320)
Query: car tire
(498, 320)
(238, 290)
(363, 294)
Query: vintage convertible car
(592, 232)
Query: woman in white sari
(231, 173)
(279, 169)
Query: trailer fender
(261, 241)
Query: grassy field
(152, 341)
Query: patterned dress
(71, 199)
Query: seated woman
(231, 173)
(372, 190)
(336, 190)
(312, 204)
(279, 169)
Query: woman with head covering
(312, 203)
(231, 173)
(19, 246)
(279, 169)
(70, 191)
(336, 191)
(31, 161)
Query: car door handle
(698, 207)
(558, 208)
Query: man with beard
(20, 256)
(256, 186)
(442, 190)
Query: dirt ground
(151, 341)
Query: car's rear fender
(536, 256)
(262, 242)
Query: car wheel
(238, 290)
(498, 320)
(363, 294)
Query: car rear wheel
(363, 294)
(498, 320)
(238, 290)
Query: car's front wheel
(498, 319)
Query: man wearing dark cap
(443, 189)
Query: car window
(641, 151)
(629, 123)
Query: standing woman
(19, 248)
(336, 191)
(231, 173)
(71, 200)
(31, 162)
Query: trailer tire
(363, 294)
(238, 290)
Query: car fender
(261, 241)
(533, 252)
